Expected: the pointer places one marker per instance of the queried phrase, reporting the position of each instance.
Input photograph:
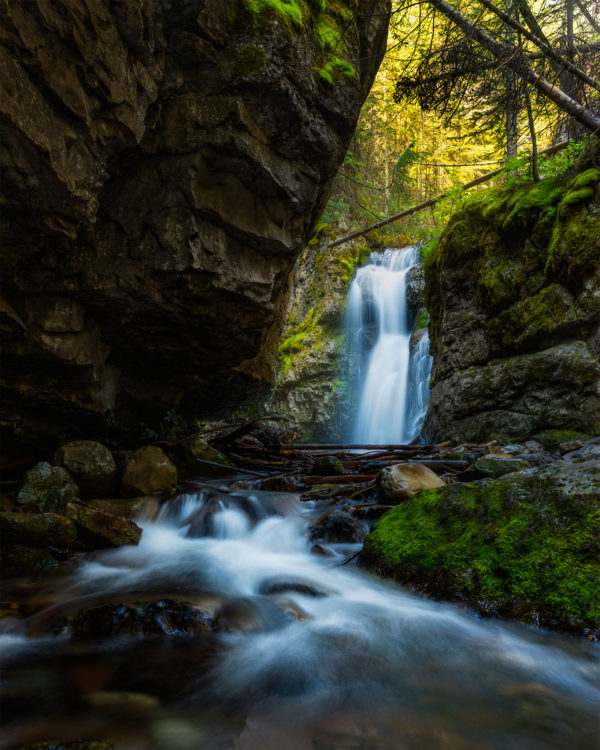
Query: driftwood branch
(433, 201)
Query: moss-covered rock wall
(513, 289)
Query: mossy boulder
(148, 471)
(37, 529)
(47, 489)
(91, 464)
(526, 546)
(96, 528)
(197, 452)
(328, 466)
(497, 466)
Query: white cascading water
(392, 383)
(335, 659)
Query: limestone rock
(47, 489)
(99, 529)
(497, 466)
(415, 288)
(514, 298)
(37, 529)
(158, 186)
(401, 481)
(91, 464)
(148, 471)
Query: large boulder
(92, 465)
(399, 482)
(95, 528)
(525, 546)
(47, 489)
(37, 530)
(158, 186)
(148, 471)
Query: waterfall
(390, 377)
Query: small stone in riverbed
(328, 466)
(495, 466)
(570, 446)
(47, 489)
(148, 471)
(122, 704)
(401, 481)
(92, 465)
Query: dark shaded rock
(158, 186)
(59, 745)
(148, 471)
(497, 466)
(37, 529)
(96, 528)
(47, 489)
(197, 451)
(398, 482)
(525, 546)
(415, 288)
(16, 559)
(91, 464)
(337, 527)
(328, 466)
(166, 617)
(280, 484)
(122, 705)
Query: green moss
(421, 320)
(543, 313)
(528, 545)
(291, 11)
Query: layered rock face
(513, 290)
(163, 163)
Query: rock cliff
(163, 163)
(513, 289)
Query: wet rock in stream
(166, 617)
(337, 527)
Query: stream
(308, 652)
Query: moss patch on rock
(525, 546)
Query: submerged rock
(91, 464)
(47, 489)
(148, 471)
(525, 546)
(166, 617)
(399, 482)
(337, 527)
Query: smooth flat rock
(399, 482)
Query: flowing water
(391, 382)
(309, 653)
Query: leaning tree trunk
(511, 58)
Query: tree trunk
(509, 57)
